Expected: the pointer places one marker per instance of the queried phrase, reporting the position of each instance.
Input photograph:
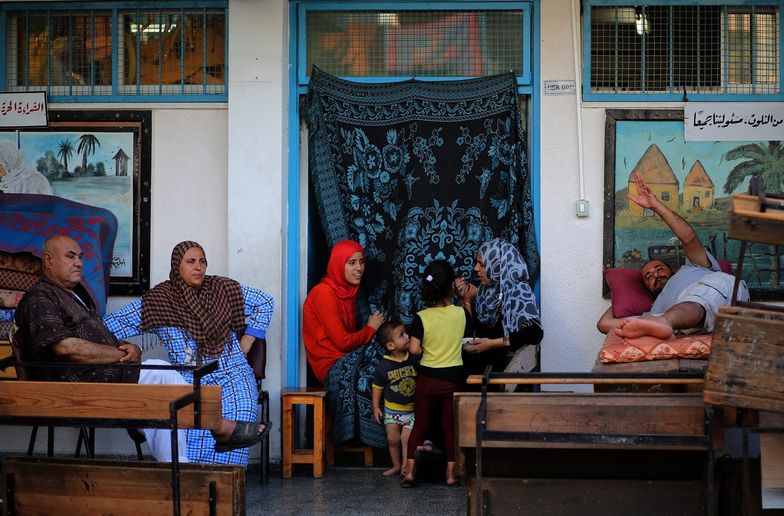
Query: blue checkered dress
(239, 392)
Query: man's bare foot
(391, 471)
(639, 327)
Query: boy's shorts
(405, 420)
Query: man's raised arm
(694, 249)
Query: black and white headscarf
(508, 291)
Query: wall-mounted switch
(582, 208)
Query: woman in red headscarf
(329, 329)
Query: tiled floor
(349, 491)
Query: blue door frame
(293, 304)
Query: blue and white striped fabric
(239, 391)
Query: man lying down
(687, 300)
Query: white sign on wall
(718, 122)
(23, 109)
(559, 87)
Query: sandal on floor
(407, 483)
(245, 434)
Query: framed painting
(99, 158)
(696, 179)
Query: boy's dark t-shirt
(397, 378)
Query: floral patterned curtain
(415, 171)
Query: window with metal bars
(105, 53)
(412, 42)
(668, 50)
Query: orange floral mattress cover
(618, 350)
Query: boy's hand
(378, 414)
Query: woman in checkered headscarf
(200, 318)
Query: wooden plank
(579, 497)
(672, 365)
(6, 351)
(106, 401)
(746, 368)
(747, 222)
(78, 487)
(621, 413)
(476, 379)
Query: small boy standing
(395, 381)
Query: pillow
(627, 292)
(617, 349)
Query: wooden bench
(66, 486)
(117, 406)
(558, 452)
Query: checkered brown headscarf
(209, 312)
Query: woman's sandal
(245, 434)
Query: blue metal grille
(686, 50)
(411, 43)
(109, 54)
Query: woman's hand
(465, 290)
(481, 345)
(375, 320)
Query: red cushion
(627, 292)
(725, 266)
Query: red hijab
(336, 280)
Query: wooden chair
(86, 434)
(22, 355)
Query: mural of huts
(121, 163)
(657, 172)
(698, 189)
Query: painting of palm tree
(86, 146)
(766, 160)
(64, 151)
(94, 181)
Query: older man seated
(60, 324)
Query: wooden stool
(364, 449)
(315, 456)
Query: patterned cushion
(617, 349)
(17, 280)
(24, 262)
(10, 298)
(5, 330)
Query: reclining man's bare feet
(657, 327)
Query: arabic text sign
(23, 109)
(734, 122)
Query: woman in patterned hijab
(505, 306)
